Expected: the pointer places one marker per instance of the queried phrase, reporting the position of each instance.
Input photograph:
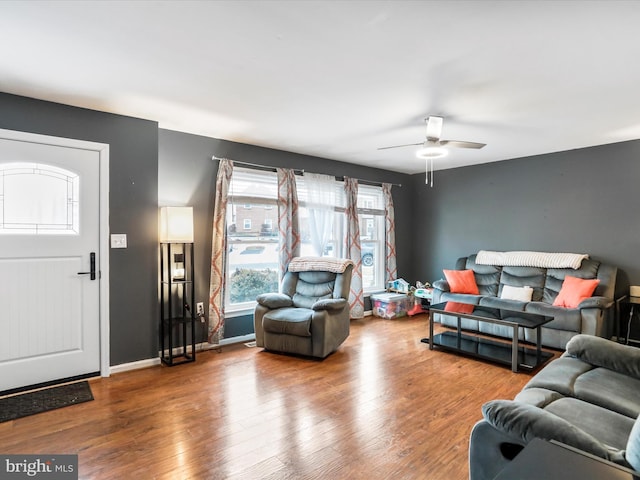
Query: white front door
(49, 237)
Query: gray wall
(577, 201)
(186, 176)
(133, 183)
(582, 201)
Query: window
(372, 234)
(252, 257)
(38, 199)
(331, 229)
(252, 261)
(372, 237)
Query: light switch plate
(118, 240)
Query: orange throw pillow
(461, 281)
(574, 290)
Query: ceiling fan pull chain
(426, 171)
(428, 168)
(432, 172)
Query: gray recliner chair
(310, 316)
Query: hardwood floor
(382, 406)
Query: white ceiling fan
(433, 146)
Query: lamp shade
(176, 224)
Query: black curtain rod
(300, 172)
(256, 165)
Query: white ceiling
(338, 79)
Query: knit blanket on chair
(319, 264)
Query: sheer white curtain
(321, 201)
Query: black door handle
(92, 263)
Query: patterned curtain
(219, 253)
(353, 251)
(288, 227)
(391, 271)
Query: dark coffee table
(488, 349)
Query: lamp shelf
(177, 304)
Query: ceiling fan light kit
(432, 147)
(430, 152)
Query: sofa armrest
(605, 353)
(596, 302)
(632, 453)
(330, 304)
(274, 300)
(441, 285)
(526, 422)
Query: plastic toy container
(390, 305)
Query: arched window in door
(37, 199)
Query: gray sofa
(589, 399)
(594, 316)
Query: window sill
(368, 293)
(239, 312)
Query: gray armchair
(311, 314)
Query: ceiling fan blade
(434, 127)
(461, 144)
(398, 146)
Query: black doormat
(39, 401)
